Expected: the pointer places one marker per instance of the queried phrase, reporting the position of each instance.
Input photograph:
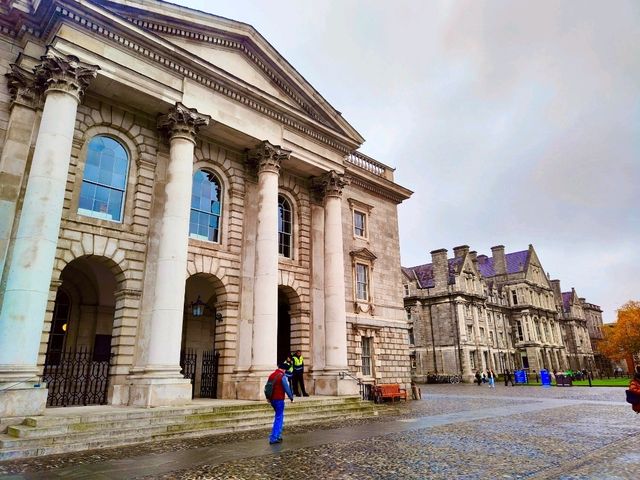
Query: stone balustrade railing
(369, 164)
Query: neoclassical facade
(180, 209)
(474, 312)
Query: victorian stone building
(179, 210)
(475, 312)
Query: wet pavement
(455, 431)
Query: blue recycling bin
(521, 376)
(545, 378)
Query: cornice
(389, 194)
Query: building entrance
(199, 357)
(78, 355)
(284, 326)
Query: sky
(514, 123)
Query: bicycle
(454, 379)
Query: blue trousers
(278, 420)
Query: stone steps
(52, 434)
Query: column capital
(330, 184)
(267, 157)
(23, 87)
(65, 73)
(183, 122)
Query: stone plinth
(160, 392)
(22, 400)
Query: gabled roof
(181, 24)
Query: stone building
(178, 201)
(593, 315)
(476, 312)
(575, 328)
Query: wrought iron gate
(75, 378)
(188, 361)
(209, 375)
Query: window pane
(104, 179)
(206, 207)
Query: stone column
(335, 316)
(63, 78)
(25, 99)
(267, 158)
(161, 382)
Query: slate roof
(424, 273)
(516, 262)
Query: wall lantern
(197, 307)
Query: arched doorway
(284, 326)
(78, 356)
(199, 355)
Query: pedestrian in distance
(298, 374)
(633, 394)
(275, 390)
(478, 378)
(508, 378)
(484, 377)
(492, 378)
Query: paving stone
(461, 431)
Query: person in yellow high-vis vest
(298, 374)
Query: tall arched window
(105, 179)
(284, 227)
(206, 207)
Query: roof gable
(235, 48)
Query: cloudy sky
(513, 122)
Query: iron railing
(209, 375)
(75, 378)
(188, 361)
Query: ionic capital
(330, 184)
(22, 87)
(65, 73)
(268, 157)
(183, 122)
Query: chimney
(440, 269)
(459, 252)
(474, 256)
(499, 261)
(557, 293)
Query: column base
(250, 386)
(159, 392)
(330, 383)
(22, 400)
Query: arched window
(206, 207)
(105, 179)
(284, 227)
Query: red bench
(389, 391)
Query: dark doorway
(284, 326)
(78, 356)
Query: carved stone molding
(127, 293)
(267, 157)
(330, 184)
(22, 87)
(64, 73)
(183, 122)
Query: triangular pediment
(363, 254)
(236, 49)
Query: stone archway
(78, 355)
(202, 327)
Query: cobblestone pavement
(455, 431)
